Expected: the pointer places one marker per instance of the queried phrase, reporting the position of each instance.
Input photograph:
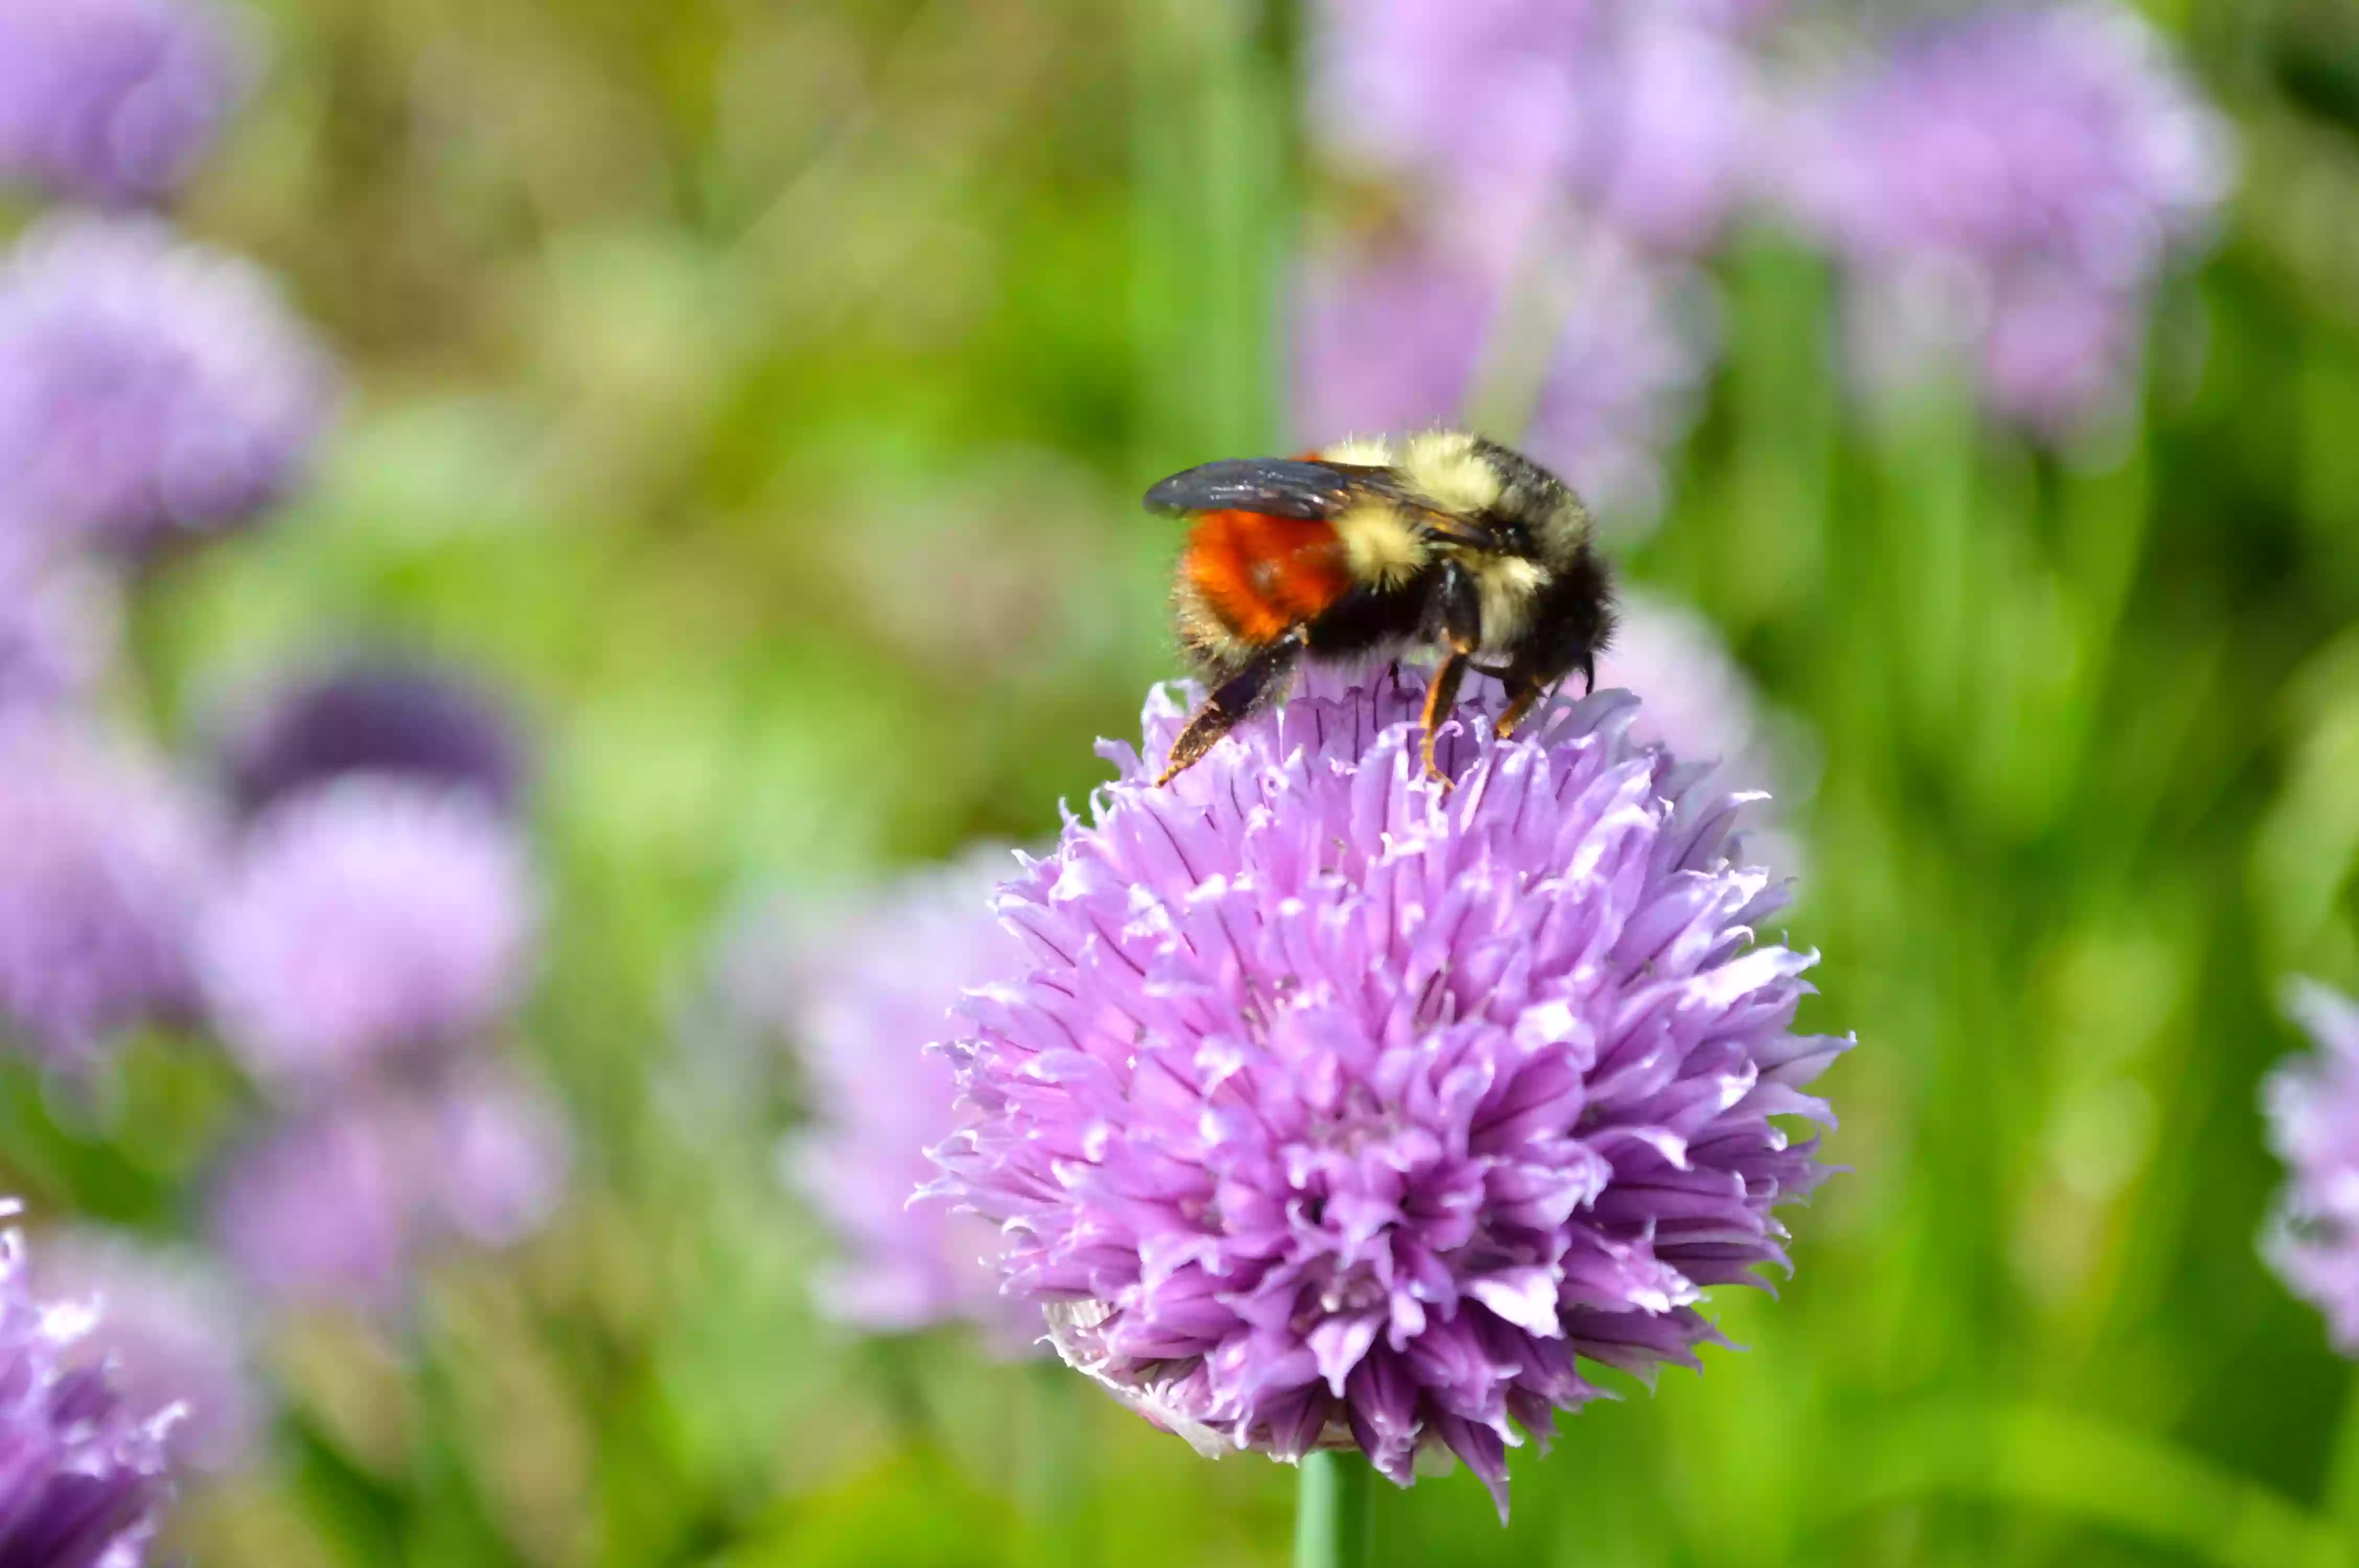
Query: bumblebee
(1366, 550)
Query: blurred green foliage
(763, 390)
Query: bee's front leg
(1460, 602)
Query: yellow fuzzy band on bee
(1445, 466)
(1366, 451)
(1382, 546)
(1509, 585)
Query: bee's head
(1528, 512)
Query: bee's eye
(1513, 537)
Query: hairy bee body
(1364, 550)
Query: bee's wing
(1276, 487)
(1307, 488)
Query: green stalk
(1054, 1485)
(2342, 1466)
(1333, 1523)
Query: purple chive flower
(2007, 188)
(150, 390)
(407, 719)
(116, 101)
(171, 1332)
(344, 1203)
(1341, 1110)
(1637, 114)
(102, 862)
(2312, 1106)
(82, 1478)
(1397, 340)
(500, 1152)
(868, 993)
(370, 917)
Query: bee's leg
(1230, 702)
(1527, 691)
(1439, 697)
(1518, 708)
(1460, 603)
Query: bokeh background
(742, 411)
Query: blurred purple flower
(2065, 133)
(317, 1210)
(2009, 187)
(867, 992)
(1699, 703)
(369, 918)
(116, 101)
(1386, 341)
(1640, 115)
(59, 626)
(1730, 16)
(1633, 351)
(1673, 109)
(498, 1151)
(102, 862)
(150, 389)
(2312, 1106)
(2058, 351)
(1341, 1110)
(172, 1332)
(1393, 340)
(81, 1477)
(343, 1204)
(406, 719)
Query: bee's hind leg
(1259, 680)
(1525, 693)
(1525, 689)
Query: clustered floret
(80, 1477)
(1339, 1109)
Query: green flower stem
(1056, 1479)
(2342, 1467)
(1334, 1522)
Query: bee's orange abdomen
(1261, 575)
